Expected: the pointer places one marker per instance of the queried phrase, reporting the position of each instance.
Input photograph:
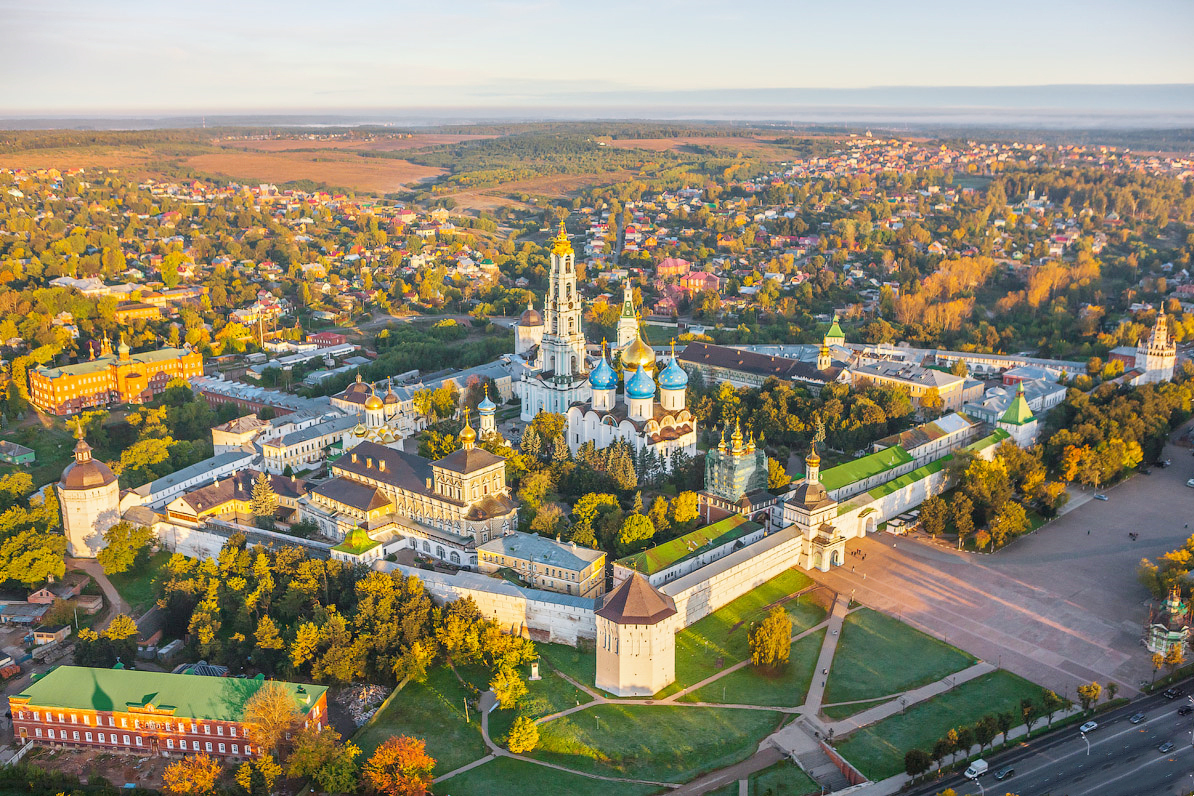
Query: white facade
(86, 515)
(1156, 356)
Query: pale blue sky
(86, 56)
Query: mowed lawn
(720, 639)
(549, 694)
(507, 777)
(750, 686)
(878, 750)
(138, 586)
(433, 711)
(659, 743)
(878, 655)
(579, 664)
(782, 779)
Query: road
(1123, 760)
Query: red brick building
(120, 710)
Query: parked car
(1166, 747)
(1089, 726)
(1190, 482)
(1136, 718)
(1164, 463)
(1101, 497)
(1004, 773)
(1174, 692)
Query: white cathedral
(560, 380)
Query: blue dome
(603, 376)
(673, 376)
(486, 406)
(641, 385)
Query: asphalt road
(1124, 759)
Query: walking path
(116, 603)
(816, 690)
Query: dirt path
(116, 603)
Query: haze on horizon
(138, 56)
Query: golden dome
(467, 435)
(373, 402)
(812, 460)
(638, 353)
(560, 244)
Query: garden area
(549, 694)
(660, 743)
(878, 749)
(752, 686)
(720, 639)
(878, 656)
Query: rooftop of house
(864, 467)
(186, 696)
(682, 548)
(636, 602)
(541, 550)
(102, 364)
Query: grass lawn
(720, 639)
(550, 694)
(782, 779)
(749, 686)
(433, 711)
(578, 663)
(879, 656)
(53, 445)
(665, 743)
(878, 750)
(838, 712)
(506, 777)
(139, 586)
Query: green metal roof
(835, 330)
(994, 438)
(909, 478)
(189, 695)
(1018, 413)
(356, 542)
(670, 553)
(869, 465)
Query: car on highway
(1166, 747)
(1174, 693)
(1089, 726)
(1136, 718)
(1004, 773)
(1185, 710)
(1190, 482)
(1101, 497)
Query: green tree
(777, 476)
(265, 500)
(771, 640)
(318, 754)
(917, 762)
(508, 687)
(523, 736)
(963, 514)
(933, 515)
(123, 545)
(635, 529)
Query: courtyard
(1060, 607)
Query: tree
(985, 730)
(1029, 712)
(685, 508)
(271, 715)
(771, 640)
(194, 775)
(123, 544)
(121, 627)
(523, 736)
(658, 515)
(930, 402)
(1050, 704)
(1010, 520)
(400, 767)
(265, 500)
(963, 512)
(1173, 658)
(1158, 660)
(1089, 694)
(965, 740)
(777, 476)
(917, 762)
(508, 687)
(547, 519)
(1112, 689)
(635, 529)
(318, 754)
(1005, 724)
(933, 514)
(257, 777)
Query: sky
(148, 56)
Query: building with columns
(89, 495)
(558, 376)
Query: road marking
(1160, 758)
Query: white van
(976, 769)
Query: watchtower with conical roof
(90, 498)
(636, 639)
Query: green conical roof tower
(835, 335)
(1018, 413)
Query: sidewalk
(908, 698)
(833, 632)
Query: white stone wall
(86, 514)
(636, 660)
(681, 569)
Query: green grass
(139, 586)
(507, 777)
(749, 686)
(550, 694)
(838, 712)
(878, 750)
(579, 663)
(878, 656)
(665, 743)
(720, 639)
(53, 445)
(782, 779)
(433, 711)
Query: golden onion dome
(638, 353)
(467, 435)
(373, 402)
(812, 460)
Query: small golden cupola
(468, 437)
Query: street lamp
(1087, 742)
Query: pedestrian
(851, 568)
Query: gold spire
(560, 245)
(736, 439)
(812, 460)
(467, 435)
(750, 442)
(722, 445)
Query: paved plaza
(1060, 607)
